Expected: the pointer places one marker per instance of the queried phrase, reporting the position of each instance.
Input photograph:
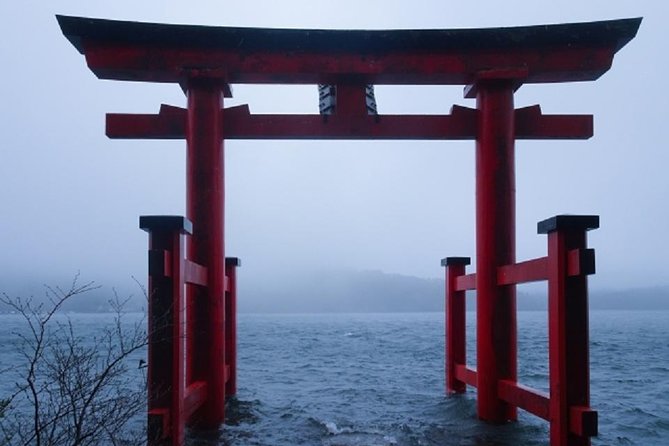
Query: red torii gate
(192, 384)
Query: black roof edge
(614, 33)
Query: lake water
(378, 380)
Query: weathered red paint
(495, 246)
(494, 62)
(156, 64)
(568, 330)
(231, 264)
(172, 399)
(205, 208)
(239, 123)
(566, 267)
(456, 352)
(166, 365)
(167, 53)
(531, 400)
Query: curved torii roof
(169, 53)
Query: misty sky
(71, 197)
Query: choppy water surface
(378, 380)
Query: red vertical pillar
(495, 246)
(456, 352)
(166, 366)
(231, 265)
(205, 208)
(572, 420)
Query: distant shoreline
(304, 313)
(367, 292)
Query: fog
(71, 198)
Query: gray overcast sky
(71, 198)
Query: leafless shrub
(74, 390)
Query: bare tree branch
(75, 390)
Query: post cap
(450, 261)
(179, 223)
(568, 222)
(513, 76)
(233, 261)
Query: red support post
(495, 246)
(231, 265)
(572, 420)
(456, 352)
(205, 208)
(203, 59)
(166, 366)
(351, 100)
(569, 262)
